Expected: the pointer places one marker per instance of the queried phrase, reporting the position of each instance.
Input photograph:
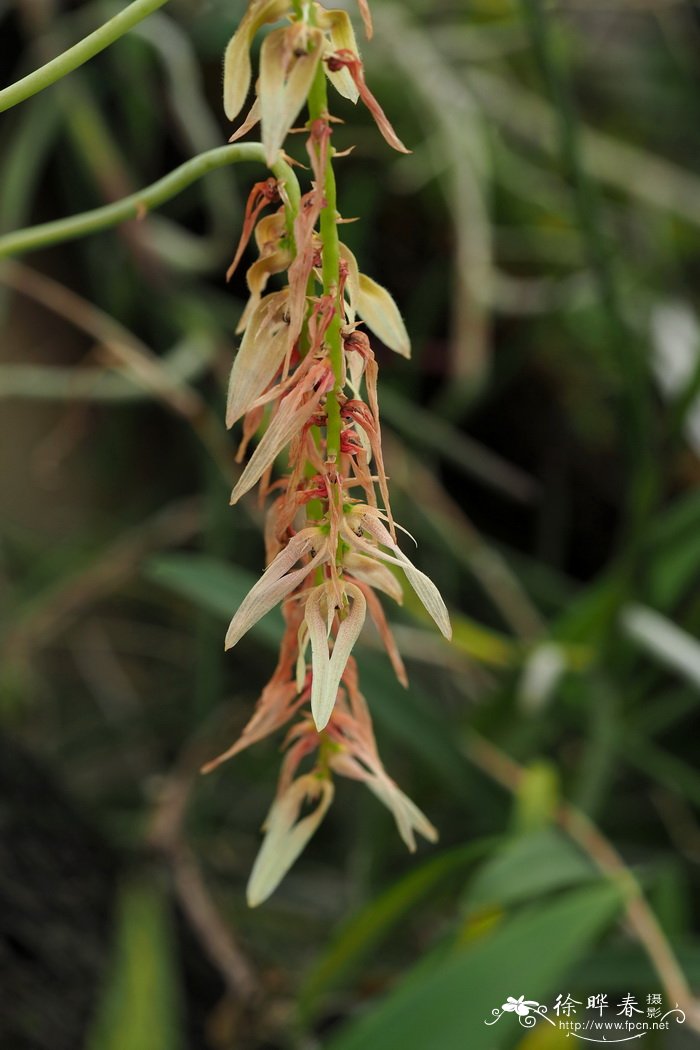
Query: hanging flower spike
(308, 376)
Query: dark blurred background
(543, 243)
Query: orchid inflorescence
(303, 362)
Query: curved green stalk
(77, 55)
(138, 204)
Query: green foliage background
(543, 242)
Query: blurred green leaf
(528, 954)
(362, 932)
(212, 585)
(663, 640)
(140, 1005)
(416, 721)
(537, 797)
(526, 867)
(674, 552)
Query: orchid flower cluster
(299, 377)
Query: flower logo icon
(521, 1006)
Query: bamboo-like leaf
(237, 69)
(532, 950)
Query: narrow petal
(303, 644)
(428, 593)
(286, 77)
(379, 619)
(366, 17)
(261, 353)
(249, 123)
(408, 817)
(349, 58)
(273, 709)
(355, 371)
(237, 70)
(286, 835)
(380, 313)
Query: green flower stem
(77, 55)
(318, 109)
(137, 204)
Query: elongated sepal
(292, 413)
(327, 668)
(276, 583)
(373, 573)
(237, 69)
(288, 62)
(342, 35)
(424, 587)
(408, 816)
(377, 308)
(286, 835)
(263, 347)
